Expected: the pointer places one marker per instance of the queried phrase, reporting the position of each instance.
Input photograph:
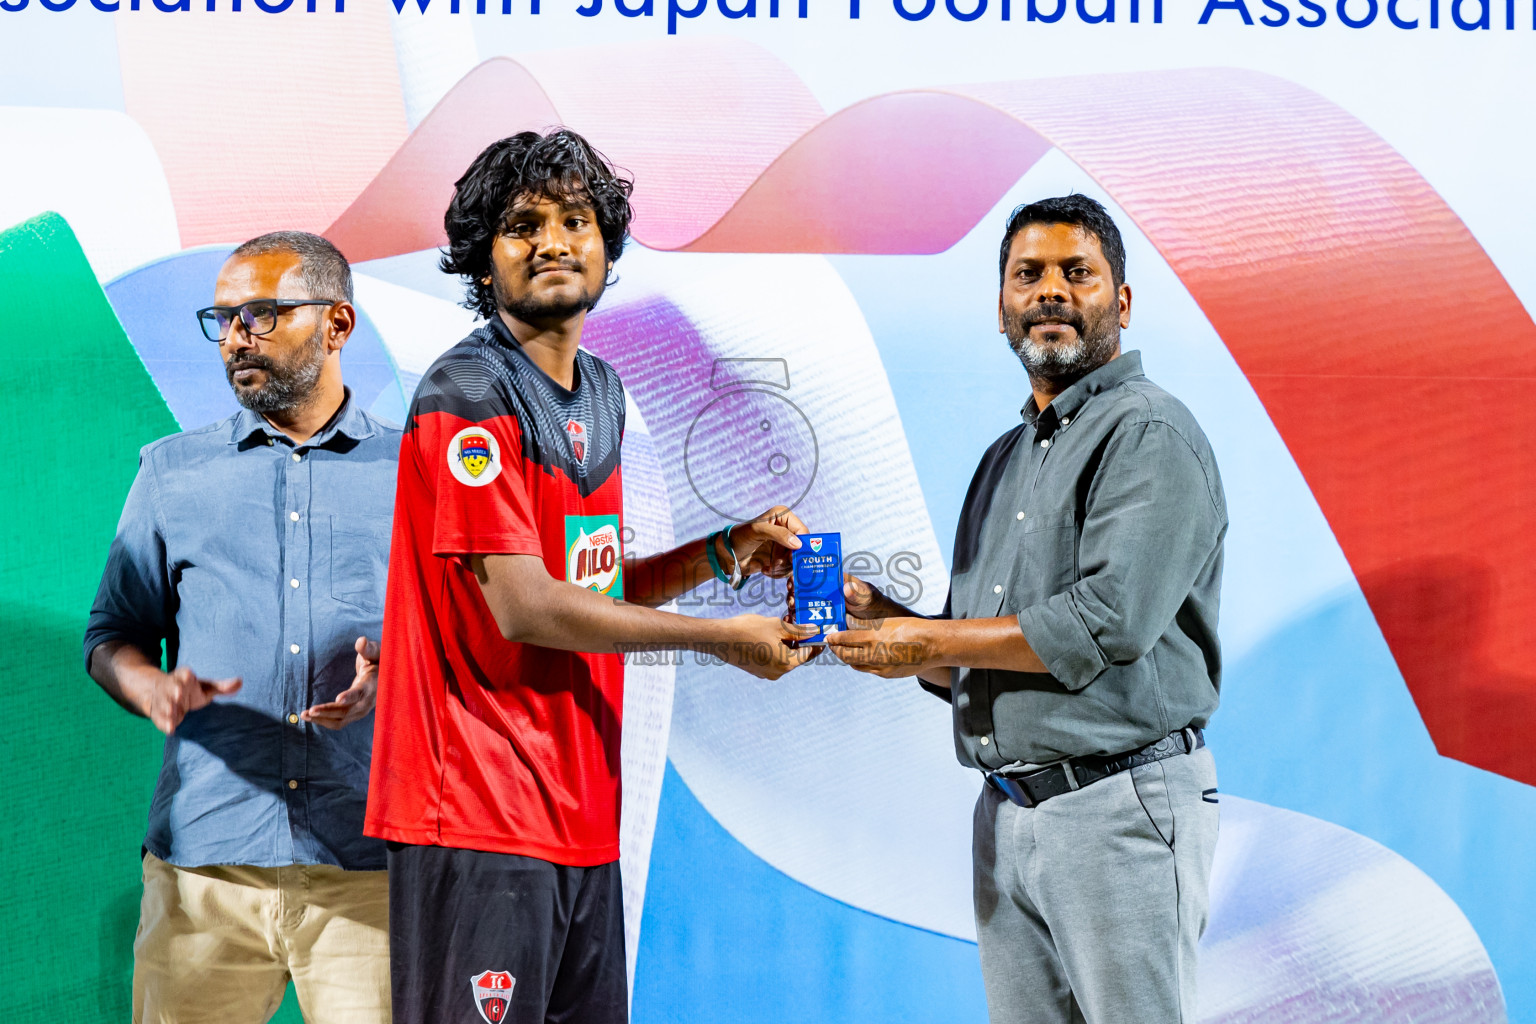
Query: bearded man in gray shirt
(1078, 649)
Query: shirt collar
(350, 421)
(1065, 405)
(503, 334)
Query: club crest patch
(578, 435)
(815, 543)
(493, 995)
(594, 557)
(474, 458)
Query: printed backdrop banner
(1327, 217)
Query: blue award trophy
(817, 570)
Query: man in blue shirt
(255, 550)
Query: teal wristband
(714, 561)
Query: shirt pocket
(360, 559)
(1047, 560)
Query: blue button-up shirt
(250, 556)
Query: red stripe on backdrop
(1320, 256)
(497, 99)
(694, 122)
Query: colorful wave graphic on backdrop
(1289, 222)
(1308, 242)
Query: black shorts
(504, 939)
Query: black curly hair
(560, 165)
(1074, 209)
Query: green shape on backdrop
(76, 404)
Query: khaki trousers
(219, 944)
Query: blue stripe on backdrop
(1317, 719)
(725, 937)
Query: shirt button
(294, 516)
(293, 719)
(1066, 420)
(984, 742)
(294, 584)
(1020, 516)
(997, 588)
(293, 648)
(1045, 442)
(270, 442)
(297, 457)
(293, 783)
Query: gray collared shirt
(1099, 523)
(250, 556)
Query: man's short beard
(289, 384)
(533, 311)
(529, 310)
(1059, 366)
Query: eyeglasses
(258, 315)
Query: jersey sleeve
(471, 455)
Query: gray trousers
(1089, 907)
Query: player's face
(278, 370)
(548, 264)
(1059, 305)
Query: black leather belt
(1030, 788)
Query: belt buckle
(1011, 789)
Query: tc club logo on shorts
(593, 554)
(474, 457)
(493, 994)
(578, 435)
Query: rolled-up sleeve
(1154, 518)
(135, 602)
(944, 693)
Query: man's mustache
(248, 362)
(572, 265)
(1052, 313)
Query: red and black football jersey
(480, 743)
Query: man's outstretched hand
(864, 606)
(883, 637)
(763, 545)
(761, 646)
(892, 648)
(180, 691)
(355, 701)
